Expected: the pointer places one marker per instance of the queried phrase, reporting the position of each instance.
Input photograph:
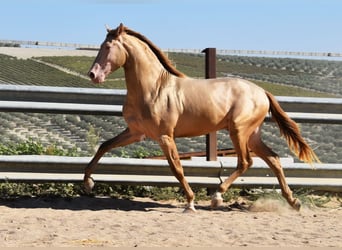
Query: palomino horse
(162, 104)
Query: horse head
(111, 56)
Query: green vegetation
(31, 147)
(238, 198)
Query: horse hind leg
(272, 159)
(239, 140)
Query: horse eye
(108, 45)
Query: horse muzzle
(96, 74)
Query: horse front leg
(123, 139)
(169, 148)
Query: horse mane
(164, 60)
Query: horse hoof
(296, 204)
(216, 200)
(189, 210)
(88, 185)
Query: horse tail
(290, 130)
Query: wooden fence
(17, 98)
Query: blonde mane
(163, 59)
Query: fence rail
(155, 172)
(38, 99)
(200, 173)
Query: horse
(162, 104)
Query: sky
(281, 25)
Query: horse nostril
(91, 75)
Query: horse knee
(165, 143)
(169, 147)
(164, 139)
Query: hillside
(308, 79)
(317, 75)
(83, 133)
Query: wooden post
(210, 72)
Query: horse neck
(142, 69)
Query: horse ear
(120, 29)
(108, 28)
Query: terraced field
(84, 133)
(319, 75)
(30, 72)
(281, 76)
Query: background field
(81, 134)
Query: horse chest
(152, 117)
(143, 118)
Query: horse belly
(205, 110)
(196, 126)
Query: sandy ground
(142, 222)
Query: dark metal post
(210, 72)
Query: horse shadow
(84, 203)
(104, 203)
